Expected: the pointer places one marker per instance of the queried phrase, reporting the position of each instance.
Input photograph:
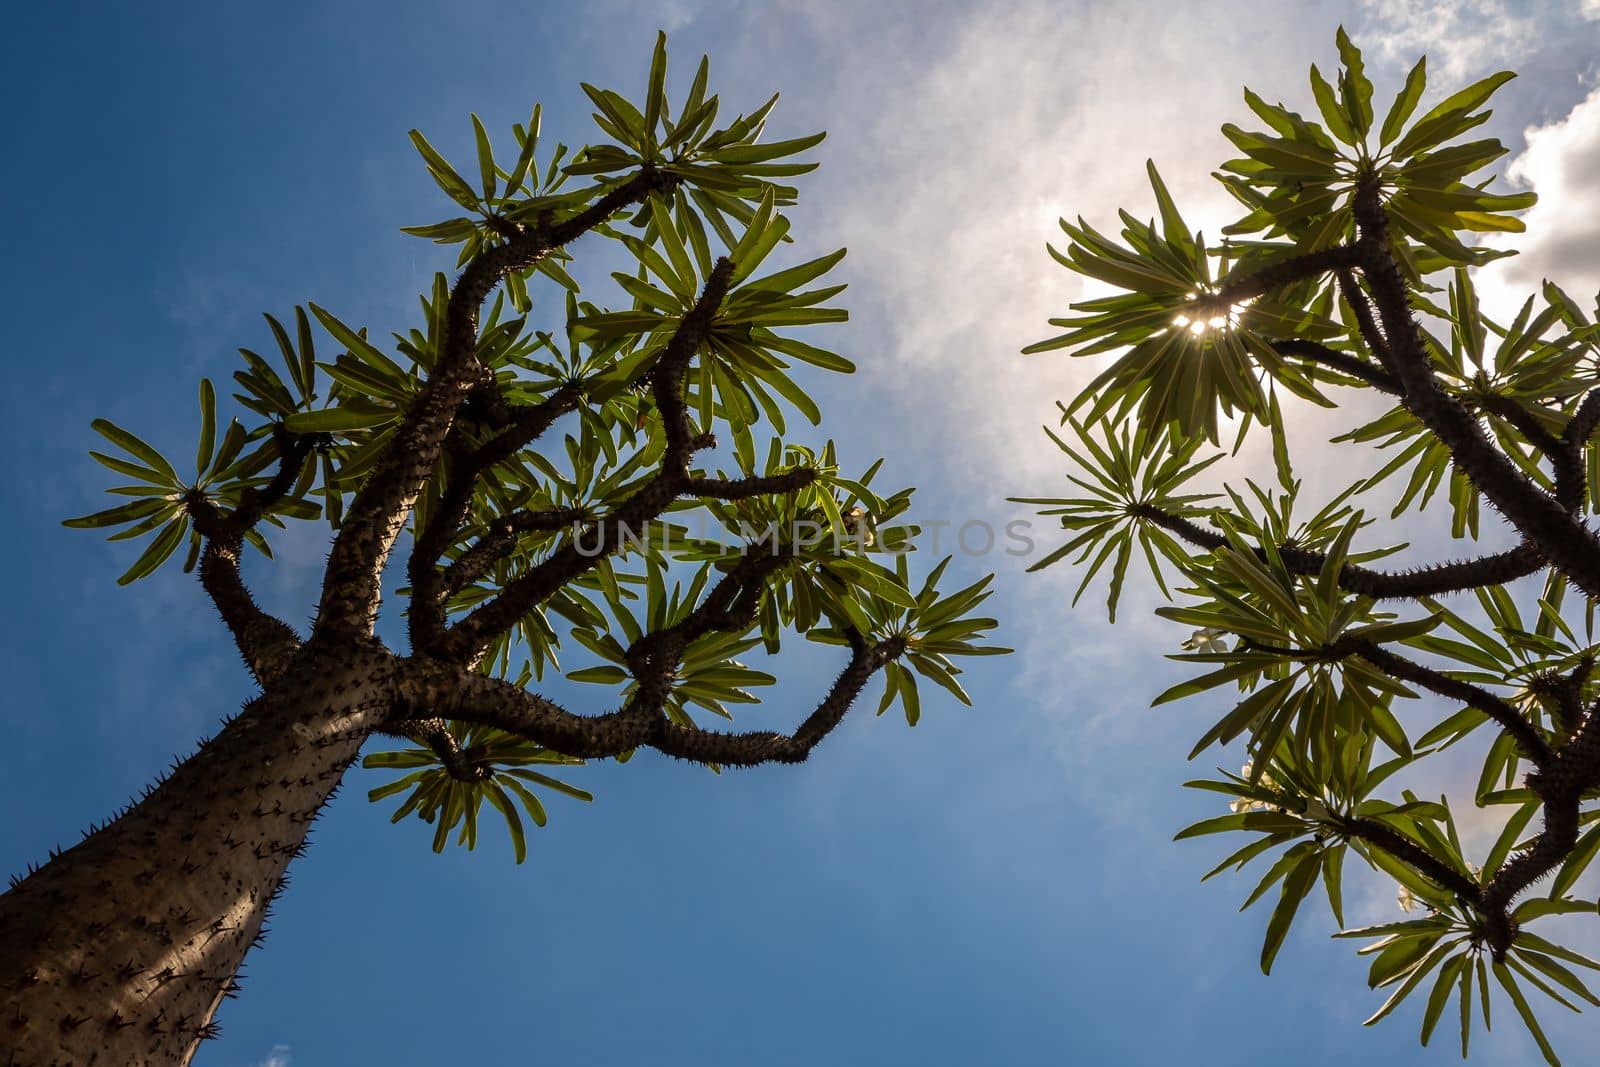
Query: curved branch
(1412, 855)
(1343, 362)
(740, 488)
(1529, 741)
(1365, 323)
(458, 693)
(1571, 471)
(265, 641)
(1525, 421)
(429, 587)
(1436, 580)
(1584, 421)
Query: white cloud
(278, 1057)
(1562, 164)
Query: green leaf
(605, 675)
(160, 548)
(130, 512)
(1332, 113)
(1576, 863)
(138, 450)
(1405, 103)
(1296, 885)
(1439, 996)
(519, 838)
(453, 184)
(1418, 972)
(485, 158)
(1355, 90)
(655, 95)
(208, 425)
(1503, 975)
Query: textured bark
(121, 948)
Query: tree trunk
(119, 950)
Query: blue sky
(995, 886)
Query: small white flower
(1238, 804)
(1407, 899)
(1207, 640)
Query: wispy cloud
(1460, 37)
(976, 150)
(278, 1057)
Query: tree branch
(434, 733)
(1409, 852)
(468, 637)
(498, 541)
(351, 590)
(740, 488)
(1525, 422)
(1436, 580)
(1343, 362)
(458, 693)
(265, 641)
(1564, 540)
(1529, 741)
(1365, 323)
(1571, 470)
(1584, 421)
(428, 585)
(1285, 271)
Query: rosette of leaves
(1190, 353)
(935, 629)
(709, 676)
(162, 500)
(1302, 810)
(741, 373)
(1298, 178)
(591, 473)
(1446, 947)
(831, 535)
(719, 170)
(1449, 945)
(1126, 473)
(1525, 665)
(505, 763)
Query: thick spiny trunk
(119, 950)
